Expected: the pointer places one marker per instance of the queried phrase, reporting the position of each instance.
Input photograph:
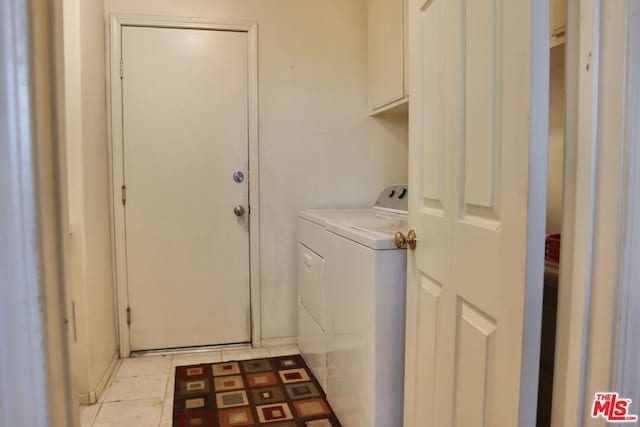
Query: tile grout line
(141, 376)
(134, 400)
(105, 392)
(140, 398)
(166, 388)
(167, 385)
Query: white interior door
(478, 137)
(185, 134)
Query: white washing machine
(351, 308)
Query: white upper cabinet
(558, 22)
(388, 85)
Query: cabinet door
(386, 64)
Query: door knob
(239, 210)
(403, 241)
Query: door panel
(478, 169)
(429, 305)
(432, 137)
(474, 365)
(185, 134)
(481, 105)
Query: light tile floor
(141, 392)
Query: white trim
(595, 349)
(254, 187)
(35, 384)
(627, 369)
(251, 28)
(22, 371)
(581, 133)
(278, 342)
(112, 214)
(93, 396)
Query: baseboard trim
(92, 397)
(85, 399)
(275, 342)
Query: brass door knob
(403, 241)
(412, 239)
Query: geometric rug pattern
(272, 392)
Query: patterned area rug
(273, 392)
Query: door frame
(594, 344)
(117, 166)
(35, 361)
(628, 297)
(578, 210)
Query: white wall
(556, 141)
(318, 147)
(90, 252)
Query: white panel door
(478, 136)
(185, 134)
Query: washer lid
(321, 217)
(375, 233)
(392, 199)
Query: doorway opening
(555, 194)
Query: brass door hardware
(403, 241)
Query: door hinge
(121, 69)
(124, 195)
(128, 316)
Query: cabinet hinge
(121, 68)
(124, 195)
(128, 316)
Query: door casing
(116, 159)
(594, 300)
